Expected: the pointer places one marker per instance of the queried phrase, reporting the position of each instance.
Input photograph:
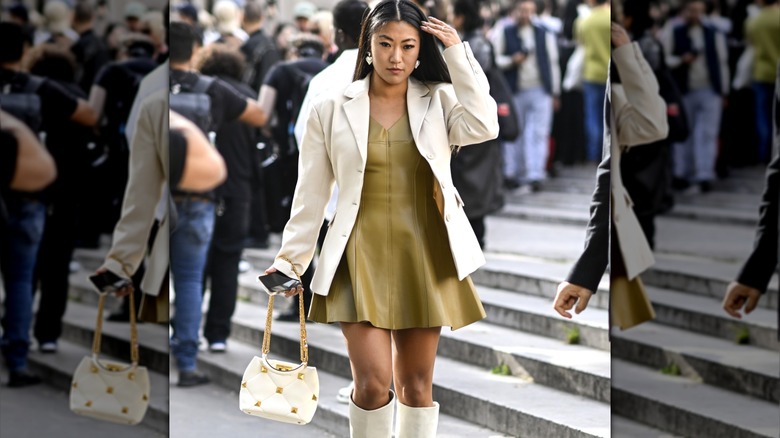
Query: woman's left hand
(441, 30)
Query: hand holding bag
(111, 391)
(277, 390)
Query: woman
(395, 263)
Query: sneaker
(48, 347)
(217, 347)
(192, 378)
(345, 393)
(19, 379)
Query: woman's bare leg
(370, 355)
(414, 353)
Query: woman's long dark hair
(432, 66)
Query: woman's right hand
(289, 293)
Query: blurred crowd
(244, 73)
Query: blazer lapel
(358, 110)
(417, 101)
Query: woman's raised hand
(441, 30)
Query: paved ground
(41, 411)
(210, 411)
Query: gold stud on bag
(113, 392)
(276, 390)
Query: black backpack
(299, 90)
(21, 100)
(193, 103)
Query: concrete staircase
(561, 381)
(555, 388)
(694, 371)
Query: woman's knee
(416, 391)
(371, 392)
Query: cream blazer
(147, 183)
(334, 150)
(638, 118)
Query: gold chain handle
(301, 316)
(96, 340)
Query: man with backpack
(283, 92)
(38, 102)
(209, 103)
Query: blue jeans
(189, 242)
(694, 159)
(764, 93)
(530, 149)
(19, 252)
(593, 102)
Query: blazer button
(360, 170)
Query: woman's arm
(472, 117)
(640, 112)
(312, 193)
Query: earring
(369, 59)
(417, 64)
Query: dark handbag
(508, 128)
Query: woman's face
(395, 48)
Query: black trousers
(52, 270)
(231, 228)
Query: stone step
(567, 214)
(522, 312)
(624, 428)
(506, 404)
(226, 370)
(570, 368)
(22, 416)
(743, 369)
(700, 277)
(57, 370)
(508, 272)
(194, 411)
(545, 214)
(688, 408)
(704, 315)
(78, 326)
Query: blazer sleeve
(640, 111)
(142, 194)
(762, 262)
(312, 193)
(472, 116)
(589, 268)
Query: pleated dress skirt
(397, 271)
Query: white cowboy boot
(417, 422)
(371, 424)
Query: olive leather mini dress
(397, 270)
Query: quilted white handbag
(111, 391)
(276, 390)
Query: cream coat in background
(148, 178)
(638, 117)
(334, 147)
